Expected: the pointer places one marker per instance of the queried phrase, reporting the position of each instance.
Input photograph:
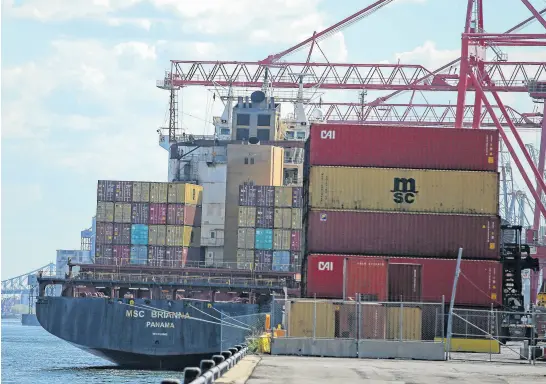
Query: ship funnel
(253, 140)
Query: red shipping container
(158, 213)
(404, 147)
(295, 241)
(405, 282)
(122, 254)
(394, 233)
(330, 276)
(480, 284)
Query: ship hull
(147, 334)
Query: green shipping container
(122, 212)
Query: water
(31, 355)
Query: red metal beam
(541, 163)
(534, 12)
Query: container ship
(184, 268)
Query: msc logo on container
(328, 134)
(404, 190)
(326, 266)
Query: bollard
(190, 374)
(233, 351)
(206, 365)
(226, 354)
(239, 347)
(218, 359)
(170, 381)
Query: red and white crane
(475, 74)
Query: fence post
(443, 316)
(272, 318)
(315, 316)
(401, 320)
(358, 321)
(452, 303)
(532, 351)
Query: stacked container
(408, 198)
(142, 223)
(269, 234)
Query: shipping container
(105, 233)
(373, 321)
(411, 319)
(157, 235)
(264, 239)
(405, 282)
(397, 233)
(122, 234)
(246, 238)
(156, 256)
(196, 256)
(404, 190)
(282, 239)
(283, 197)
(195, 236)
(297, 218)
(158, 214)
(139, 254)
(297, 197)
(247, 217)
(106, 190)
(105, 212)
(295, 241)
(480, 287)
(175, 257)
(140, 213)
(104, 252)
(158, 193)
(263, 260)
(282, 218)
(178, 235)
(139, 234)
(184, 193)
(141, 192)
(122, 213)
(265, 196)
(302, 315)
(367, 277)
(403, 147)
(295, 261)
(121, 254)
(245, 259)
(264, 217)
(175, 214)
(247, 195)
(124, 191)
(281, 261)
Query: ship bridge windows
(225, 131)
(289, 134)
(264, 120)
(300, 135)
(243, 119)
(242, 134)
(263, 134)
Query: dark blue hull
(148, 334)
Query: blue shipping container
(281, 261)
(139, 254)
(139, 234)
(264, 238)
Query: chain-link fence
(238, 329)
(499, 336)
(336, 319)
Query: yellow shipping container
(183, 193)
(122, 213)
(157, 235)
(283, 196)
(411, 323)
(179, 235)
(300, 319)
(245, 259)
(282, 218)
(247, 217)
(281, 239)
(141, 192)
(413, 190)
(245, 238)
(158, 192)
(297, 218)
(105, 211)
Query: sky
(80, 103)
